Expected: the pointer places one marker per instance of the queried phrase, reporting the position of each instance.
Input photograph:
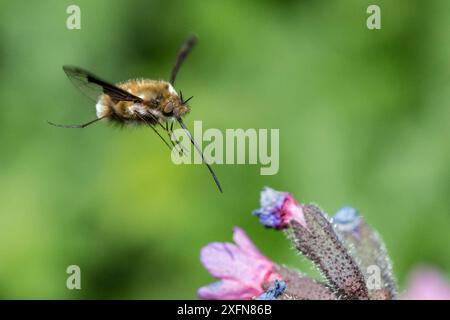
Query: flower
(346, 219)
(274, 291)
(427, 283)
(241, 268)
(278, 209)
(349, 253)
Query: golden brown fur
(160, 103)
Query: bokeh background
(363, 118)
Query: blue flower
(274, 291)
(346, 219)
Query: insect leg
(174, 139)
(78, 126)
(154, 129)
(175, 143)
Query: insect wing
(182, 55)
(92, 86)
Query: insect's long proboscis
(216, 180)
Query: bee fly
(153, 103)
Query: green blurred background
(363, 118)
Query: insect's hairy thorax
(148, 89)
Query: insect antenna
(75, 126)
(182, 54)
(184, 101)
(187, 100)
(216, 180)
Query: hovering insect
(153, 103)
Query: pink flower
(241, 268)
(278, 209)
(426, 283)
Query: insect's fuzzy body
(160, 103)
(149, 102)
